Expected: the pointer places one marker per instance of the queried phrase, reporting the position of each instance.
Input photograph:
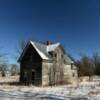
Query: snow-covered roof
(52, 47)
(68, 60)
(39, 48)
(43, 50)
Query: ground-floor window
(25, 75)
(33, 76)
(73, 74)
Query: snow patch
(43, 56)
(52, 47)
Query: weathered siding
(37, 71)
(70, 74)
(31, 64)
(61, 72)
(59, 64)
(52, 73)
(46, 75)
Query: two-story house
(46, 64)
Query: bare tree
(2, 56)
(85, 66)
(96, 61)
(3, 69)
(3, 61)
(14, 69)
(20, 48)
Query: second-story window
(55, 55)
(72, 66)
(73, 74)
(31, 58)
(62, 56)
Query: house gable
(42, 54)
(29, 53)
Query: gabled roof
(52, 47)
(42, 50)
(68, 60)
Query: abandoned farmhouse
(46, 64)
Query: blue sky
(74, 23)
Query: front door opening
(33, 76)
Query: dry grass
(10, 77)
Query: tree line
(9, 69)
(88, 65)
(12, 69)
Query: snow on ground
(66, 92)
(9, 79)
(84, 90)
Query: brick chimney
(49, 42)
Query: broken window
(73, 75)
